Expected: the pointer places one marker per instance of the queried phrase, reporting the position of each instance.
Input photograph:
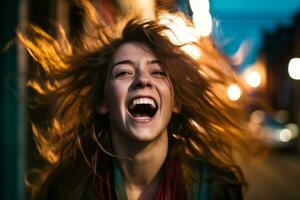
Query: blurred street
(276, 178)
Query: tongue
(141, 115)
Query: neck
(141, 172)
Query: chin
(142, 135)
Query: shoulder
(65, 181)
(215, 183)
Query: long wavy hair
(75, 141)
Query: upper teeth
(143, 101)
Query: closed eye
(123, 73)
(159, 73)
(157, 70)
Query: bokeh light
(198, 5)
(253, 79)
(285, 135)
(294, 68)
(257, 117)
(203, 23)
(201, 16)
(181, 33)
(234, 92)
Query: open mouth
(142, 107)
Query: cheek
(115, 95)
(168, 92)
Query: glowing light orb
(199, 5)
(253, 79)
(285, 135)
(294, 68)
(234, 92)
(203, 23)
(201, 16)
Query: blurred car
(276, 132)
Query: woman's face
(138, 95)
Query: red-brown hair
(75, 141)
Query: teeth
(143, 101)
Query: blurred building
(280, 46)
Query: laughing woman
(134, 117)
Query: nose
(142, 80)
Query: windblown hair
(75, 140)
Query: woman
(134, 117)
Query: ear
(102, 109)
(176, 108)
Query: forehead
(133, 51)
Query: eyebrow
(122, 62)
(154, 61)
